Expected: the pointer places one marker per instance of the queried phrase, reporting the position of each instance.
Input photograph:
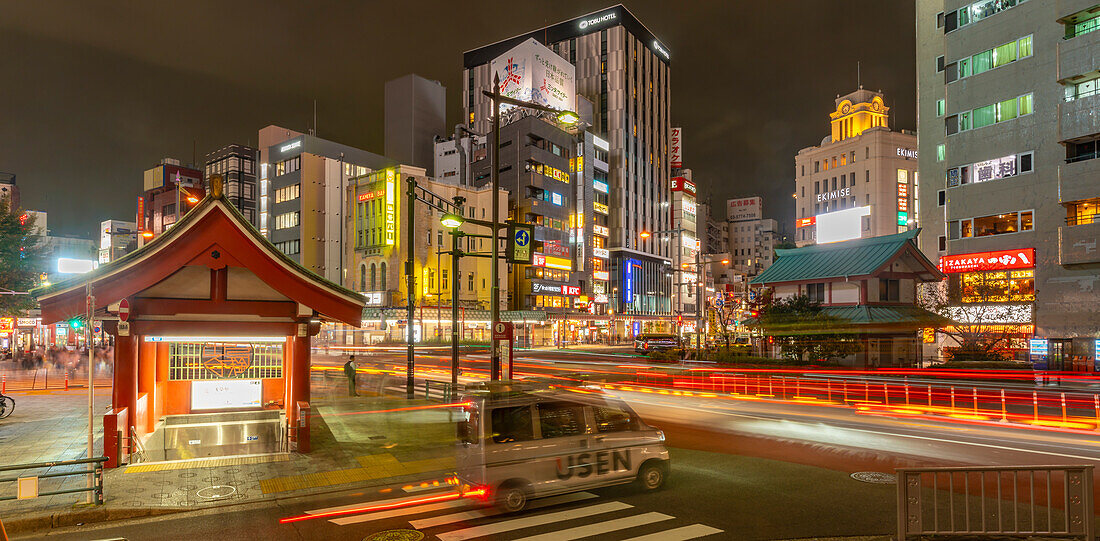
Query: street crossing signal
(76, 324)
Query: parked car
(646, 343)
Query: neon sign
(391, 212)
(291, 146)
(982, 261)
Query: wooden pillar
(125, 380)
(146, 380)
(300, 361)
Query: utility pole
(455, 255)
(410, 277)
(494, 296)
(88, 325)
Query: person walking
(349, 371)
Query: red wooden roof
(214, 235)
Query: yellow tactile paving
(206, 463)
(373, 467)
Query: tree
(20, 261)
(973, 303)
(802, 329)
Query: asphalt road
(708, 496)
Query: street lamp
(453, 221)
(565, 117)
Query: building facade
(171, 190)
(303, 185)
(623, 70)
(116, 239)
(238, 166)
(862, 180)
(378, 248)
(752, 238)
(9, 191)
(1008, 128)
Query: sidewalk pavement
(351, 448)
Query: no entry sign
(123, 310)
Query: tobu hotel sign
(1023, 258)
(746, 208)
(532, 72)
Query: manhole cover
(875, 477)
(395, 535)
(186, 475)
(216, 492)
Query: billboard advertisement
(532, 72)
(746, 208)
(1023, 258)
(841, 225)
(676, 149)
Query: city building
(716, 237)
(9, 191)
(454, 158)
(1008, 128)
(686, 246)
(378, 248)
(303, 185)
(170, 190)
(861, 181)
(237, 164)
(623, 70)
(869, 286)
(752, 238)
(416, 113)
(116, 239)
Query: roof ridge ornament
(216, 186)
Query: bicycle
(7, 405)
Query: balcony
(1078, 179)
(1077, 244)
(1081, 117)
(1078, 55)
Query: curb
(79, 516)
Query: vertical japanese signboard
(391, 207)
(676, 149)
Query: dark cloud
(96, 92)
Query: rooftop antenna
(858, 81)
(314, 118)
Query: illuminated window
(1083, 212)
(941, 107)
(941, 152)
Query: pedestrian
(349, 371)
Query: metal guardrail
(29, 489)
(138, 454)
(1004, 500)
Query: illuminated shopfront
(996, 292)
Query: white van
(525, 441)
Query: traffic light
(76, 324)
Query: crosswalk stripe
(414, 510)
(679, 534)
(432, 522)
(527, 522)
(600, 528)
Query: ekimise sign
(1023, 258)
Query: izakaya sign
(986, 261)
(532, 72)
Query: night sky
(94, 93)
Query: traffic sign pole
(91, 416)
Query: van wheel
(652, 475)
(512, 498)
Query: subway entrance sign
(519, 243)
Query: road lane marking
(679, 534)
(528, 522)
(600, 528)
(911, 436)
(482, 513)
(414, 510)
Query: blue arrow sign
(522, 237)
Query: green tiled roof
(885, 315)
(858, 257)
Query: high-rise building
(686, 245)
(237, 164)
(861, 181)
(416, 113)
(623, 70)
(1008, 127)
(454, 158)
(303, 183)
(170, 190)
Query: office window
(985, 116)
(941, 152)
(287, 220)
(939, 63)
(941, 107)
(941, 197)
(817, 166)
(1025, 104)
(867, 173)
(288, 193)
(1080, 28)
